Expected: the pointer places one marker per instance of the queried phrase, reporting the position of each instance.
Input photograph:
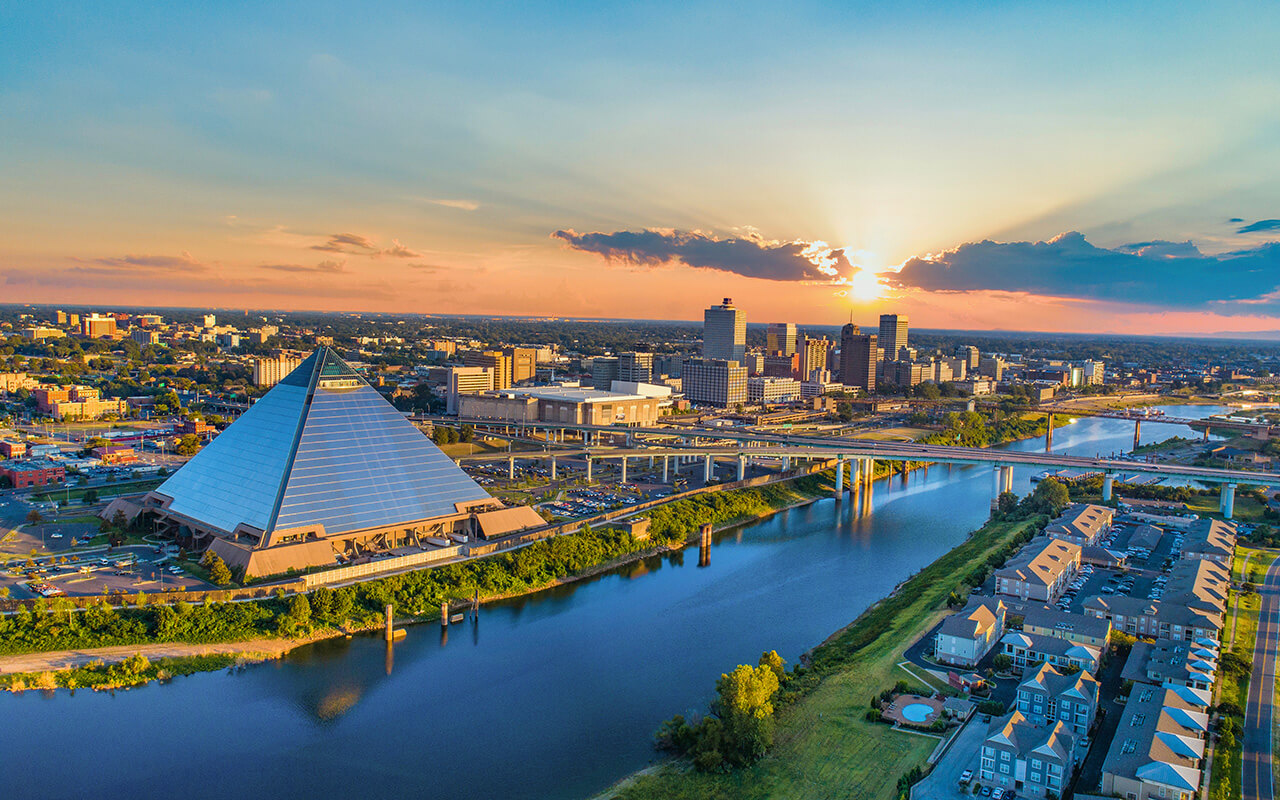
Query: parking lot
(126, 569)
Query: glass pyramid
(322, 447)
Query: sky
(1090, 167)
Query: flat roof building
(724, 332)
(714, 382)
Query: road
(1259, 715)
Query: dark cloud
(1260, 225)
(752, 256)
(324, 267)
(1166, 274)
(347, 243)
(1234, 220)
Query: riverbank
(675, 529)
(824, 746)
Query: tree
(188, 445)
(34, 517)
(90, 496)
(1050, 497)
(774, 662)
(1006, 504)
(219, 573)
(467, 435)
(300, 610)
(1002, 662)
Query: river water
(550, 696)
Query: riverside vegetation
(47, 625)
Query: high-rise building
(893, 333)
(635, 367)
(813, 355)
(495, 360)
(780, 337)
(992, 367)
(604, 371)
(60, 317)
(715, 381)
(970, 354)
(777, 365)
(270, 371)
(210, 321)
(724, 332)
(858, 358)
(768, 389)
(98, 326)
(524, 363)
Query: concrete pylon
(1108, 482)
(839, 491)
(1227, 500)
(742, 467)
(666, 468)
(707, 469)
(588, 469)
(624, 469)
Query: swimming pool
(916, 712)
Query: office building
(149, 320)
(777, 365)
(635, 367)
(497, 361)
(992, 367)
(780, 337)
(893, 333)
(144, 337)
(970, 355)
(98, 326)
(524, 363)
(270, 371)
(229, 341)
(762, 389)
(604, 371)
(321, 470)
(40, 333)
(466, 380)
(568, 404)
(210, 321)
(858, 358)
(724, 333)
(714, 382)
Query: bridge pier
(839, 491)
(624, 469)
(1137, 433)
(1227, 500)
(868, 471)
(707, 469)
(511, 469)
(1006, 480)
(553, 468)
(786, 463)
(742, 467)
(1108, 480)
(666, 464)
(588, 468)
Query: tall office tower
(604, 371)
(780, 338)
(813, 355)
(724, 332)
(210, 320)
(524, 363)
(60, 317)
(858, 358)
(635, 367)
(970, 355)
(893, 333)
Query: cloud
(748, 254)
(324, 267)
(1260, 225)
(347, 243)
(425, 267)
(397, 250)
(185, 262)
(463, 205)
(1165, 274)
(1234, 220)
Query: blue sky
(234, 139)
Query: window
(1004, 768)
(1036, 763)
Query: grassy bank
(1249, 564)
(133, 671)
(824, 747)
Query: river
(551, 696)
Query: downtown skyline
(1028, 167)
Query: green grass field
(1239, 636)
(824, 747)
(108, 490)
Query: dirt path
(67, 659)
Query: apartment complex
(1040, 570)
(1082, 524)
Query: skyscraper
(858, 358)
(724, 332)
(893, 333)
(781, 338)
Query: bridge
(863, 453)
